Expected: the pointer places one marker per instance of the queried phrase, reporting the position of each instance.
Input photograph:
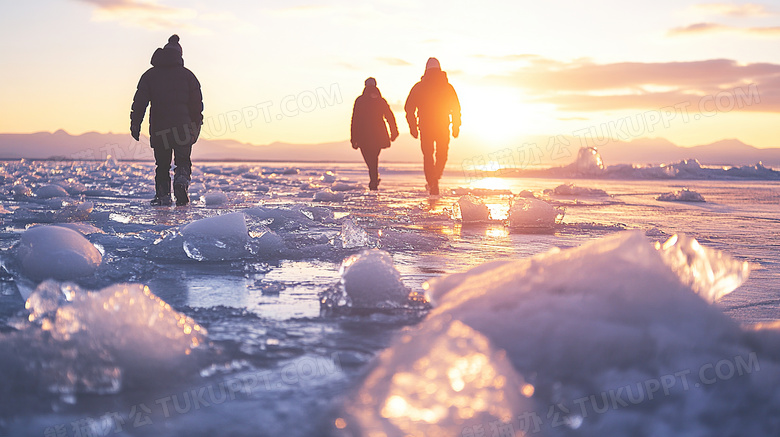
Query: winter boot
(180, 191)
(164, 200)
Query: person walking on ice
(175, 119)
(370, 117)
(431, 107)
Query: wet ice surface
(272, 364)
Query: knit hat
(371, 82)
(432, 63)
(173, 43)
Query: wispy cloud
(395, 62)
(736, 10)
(701, 28)
(148, 14)
(587, 86)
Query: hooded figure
(431, 107)
(370, 117)
(175, 119)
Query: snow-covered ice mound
(684, 195)
(368, 280)
(471, 209)
(76, 341)
(604, 339)
(56, 252)
(533, 213)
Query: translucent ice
(216, 238)
(56, 252)
(684, 195)
(532, 213)
(472, 209)
(328, 196)
(346, 186)
(370, 280)
(90, 342)
(603, 318)
(572, 190)
(352, 235)
(589, 162)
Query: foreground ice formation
(368, 280)
(604, 339)
(75, 341)
(56, 252)
(353, 236)
(533, 213)
(684, 195)
(472, 209)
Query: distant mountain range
(97, 146)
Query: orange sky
(691, 72)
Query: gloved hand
(455, 131)
(354, 145)
(135, 132)
(393, 136)
(413, 131)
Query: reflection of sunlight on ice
(490, 183)
(498, 211)
(497, 232)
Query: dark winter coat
(368, 120)
(176, 114)
(432, 104)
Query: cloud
(148, 14)
(700, 28)
(582, 85)
(395, 62)
(733, 10)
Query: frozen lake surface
(266, 359)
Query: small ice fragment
(352, 235)
(328, 177)
(472, 209)
(56, 252)
(589, 162)
(215, 198)
(328, 196)
(532, 213)
(684, 195)
(371, 280)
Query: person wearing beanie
(175, 119)
(371, 116)
(432, 106)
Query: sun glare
(493, 115)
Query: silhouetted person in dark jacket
(175, 118)
(431, 107)
(369, 131)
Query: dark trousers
(162, 177)
(434, 148)
(371, 156)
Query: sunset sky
(290, 71)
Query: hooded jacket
(368, 120)
(176, 112)
(432, 104)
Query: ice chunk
(50, 191)
(328, 177)
(56, 252)
(346, 186)
(610, 314)
(472, 210)
(216, 238)
(328, 196)
(710, 273)
(21, 190)
(213, 198)
(439, 379)
(589, 162)
(684, 195)
(352, 235)
(533, 213)
(370, 280)
(572, 190)
(94, 340)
